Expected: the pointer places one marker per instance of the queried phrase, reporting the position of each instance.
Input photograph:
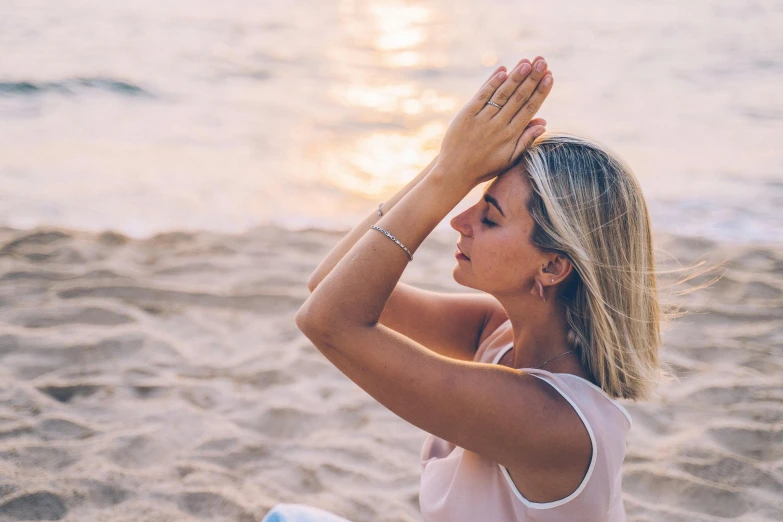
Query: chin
(456, 275)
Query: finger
(497, 70)
(525, 90)
(526, 140)
(501, 95)
(528, 61)
(526, 113)
(486, 91)
(537, 121)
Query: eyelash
(490, 224)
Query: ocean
(150, 116)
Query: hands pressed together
(484, 140)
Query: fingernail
(502, 75)
(524, 69)
(541, 65)
(547, 81)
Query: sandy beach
(164, 379)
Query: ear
(558, 268)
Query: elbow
(305, 319)
(314, 326)
(312, 320)
(312, 311)
(313, 281)
(323, 326)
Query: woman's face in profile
(497, 240)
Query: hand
(483, 140)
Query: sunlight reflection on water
(157, 116)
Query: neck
(540, 333)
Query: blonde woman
(518, 385)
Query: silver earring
(553, 280)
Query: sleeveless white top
(458, 485)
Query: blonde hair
(588, 206)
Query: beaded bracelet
(395, 240)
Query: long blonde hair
(588, 205)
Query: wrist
(452, 178)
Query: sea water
(149, 115)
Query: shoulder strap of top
(543, 373)
(501, 352)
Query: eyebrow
(493, 201)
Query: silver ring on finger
(495, 104)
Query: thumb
(528, 137)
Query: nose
(461, 223)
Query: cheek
(503, 257)
(495, 256)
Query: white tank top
(458, 485)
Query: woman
(517, 385)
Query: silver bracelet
(395, 240)
(380, 214)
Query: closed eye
(484, 219)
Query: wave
(71, 86)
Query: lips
(461, 252)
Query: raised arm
(354, 235)
(350, 240)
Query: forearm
(346, 243)
(355, 293)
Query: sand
(164, 379)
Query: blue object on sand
(300, 513)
